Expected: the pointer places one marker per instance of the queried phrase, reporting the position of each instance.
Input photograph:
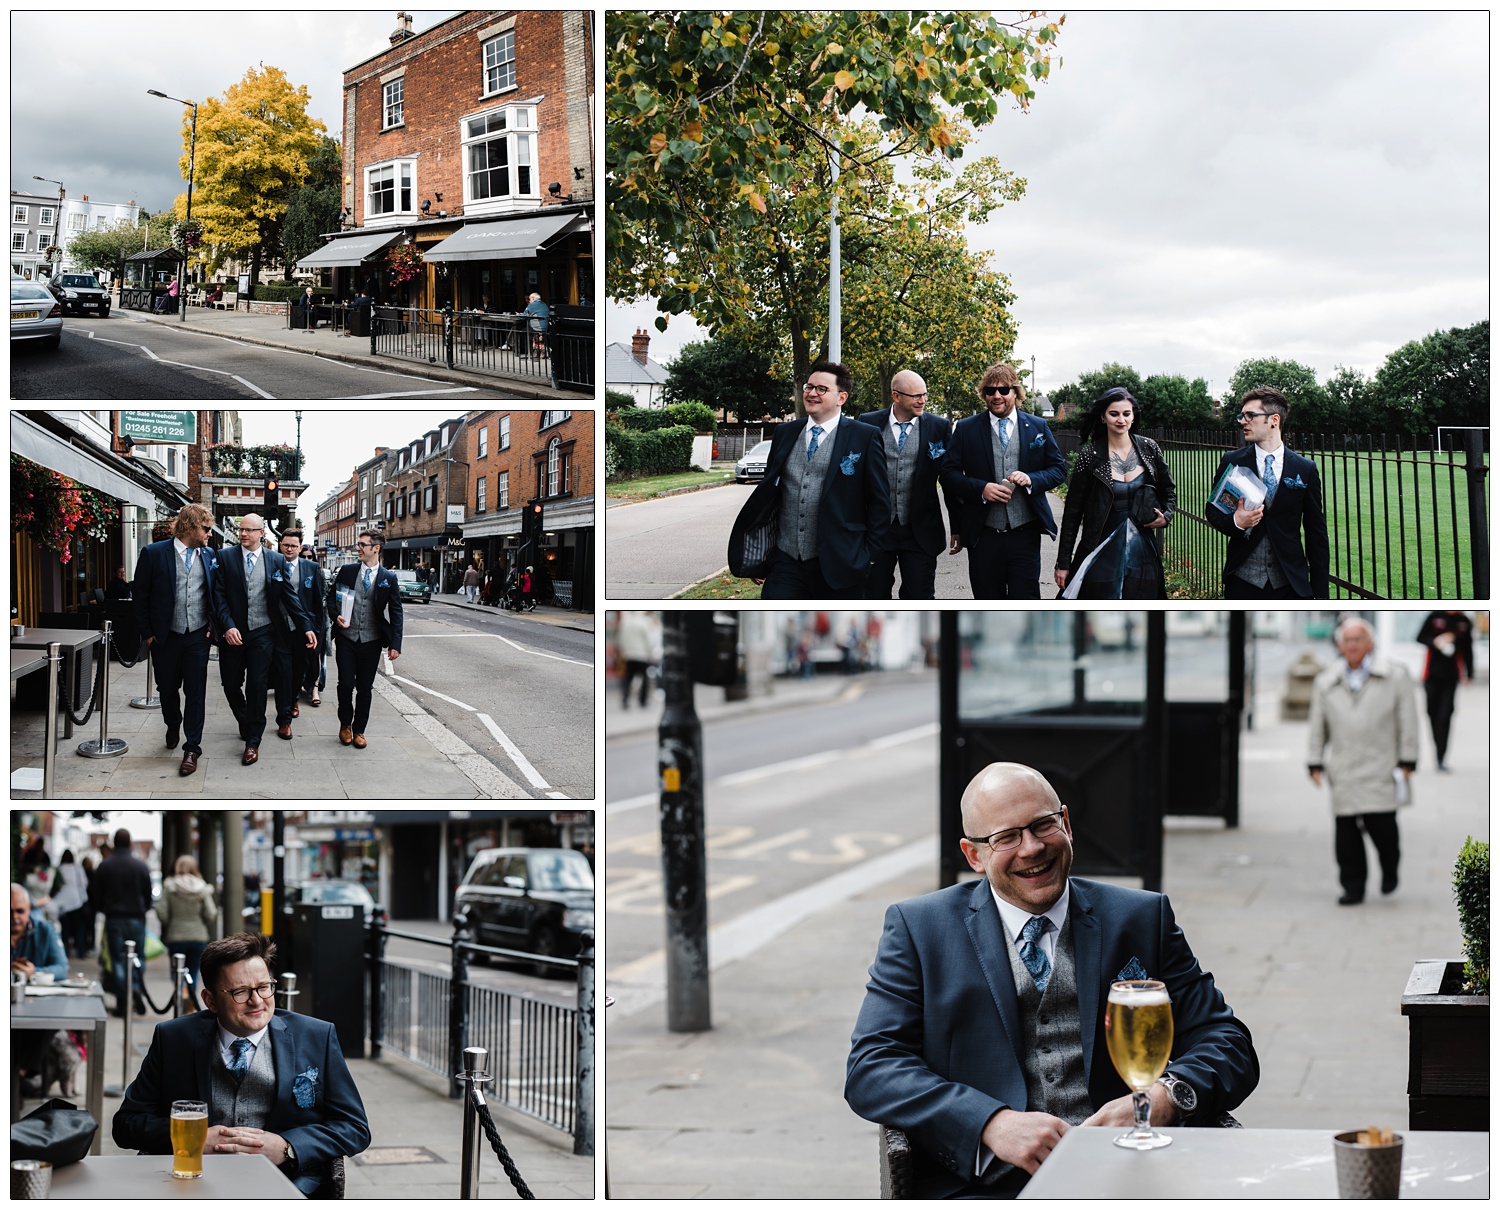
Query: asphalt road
(519, 692)
(503, 976)
(125, 357)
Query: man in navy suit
(982, 1031)
(999, 468)
(294, 668)
(915, 445)
(275, 1083)
(256, 598)
(825, 490)
(174, 597)
(374, 624)
(1266, 559)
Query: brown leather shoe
(346, 735)
(296, 712)
(189, 764)
(359, 741)
(251, 756)
(284, 731)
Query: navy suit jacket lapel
(843, 438)
(1088, 948)
(992, 952)
(203, 1043)
(286, 1061)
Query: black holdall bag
(752, 541)
(1144, 506)
(56, 1131)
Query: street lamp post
(192, 160)
(56, 214)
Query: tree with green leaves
(108, 248)
(313, 208)
(254, 148)
(723, 128)
(1310, 410)
(1170, 401)
(728, 374)
(1442, 379)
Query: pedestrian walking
(1362, 737)
(528, 599)
(634, 640)
(69, 906)
(122, 891)
(187, 913)
(364, 601)
(1448, 636)
(471, 583)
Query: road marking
(490, 781)
(545, 655)
(642, 982)
(245, 382)
(409, 394)
(765, 846)
(452, 701)
(749, 776)
(513, 752)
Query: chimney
(85, 197)
(639, 345)
(403, 29)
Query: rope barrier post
(472, 1076)
(49, 753)
(104, 746)
(127, 1001)
(179, 976)
(288, 992)
(458, 1022)
(583, 1121)
(148, 702)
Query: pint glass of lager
(1138, 1032)
(189, 1129)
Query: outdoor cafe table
(76, 1008)
(242, 1178)
(1205, 1162)
(73, 641)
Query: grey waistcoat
(190, 605)
(248, 1103)
(801, 492)
(362, 623)
(902, 468)
(1052, 1051)
(1017, 511)
(258, 614)
(1261, 567)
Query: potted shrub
(1447, 1005)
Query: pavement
(564, 619)
(754, 1107)
(272, 332)
(416, 1130)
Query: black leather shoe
(189, 764)
(1387, 883)
(173, 735)
(1347, 899)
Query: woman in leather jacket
(1114, 469)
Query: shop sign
(561, 817)
(354, 833)
(161, 428)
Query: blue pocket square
(847, 465)
(276, 575)
(1038, 441)
(304, 1088)
(1297, 482)
(1132, 970)
(935, 450)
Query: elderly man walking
(1362, 737)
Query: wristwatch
(1182, 1094)
(290, 1163)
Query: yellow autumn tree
(254, 150)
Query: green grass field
(651, 486)
(721, 588)
(1379, 512)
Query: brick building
(423, 477)
(472, 142)
(519, 457)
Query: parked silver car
(34, 314)
(753, 465)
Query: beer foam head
(1139, 997)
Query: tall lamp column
(192, 160)
(56, 217)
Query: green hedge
(284, 291)
(697, 416)
(661, 451)
(614, 400)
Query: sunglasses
(988, 391)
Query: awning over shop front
(45, 449)
(517, 238)
(348, 250)
(413, 543)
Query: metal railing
(1407, 516)
(541, 1054)
(509, 345)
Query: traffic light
(272, 487)
(531, 524)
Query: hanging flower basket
(55, 510)
(187, 235)
(404, 262)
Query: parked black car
(80, 294)
(539, 901)
(338, 890)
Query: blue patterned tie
(1033, 957)
(812, 446)
(187, 561)
(250, 563)
(1270, 477)
(239, 1063)
(1004, 434)
(368, 573)
(901, 440)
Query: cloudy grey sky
(334, 442)
(1207, 187)
(79, 109)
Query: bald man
(982, 1030)
(915, 442)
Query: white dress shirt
(227, 1040)
(1278, 461)
(827, 426)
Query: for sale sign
(163, 428)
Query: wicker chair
(899, 1161)
(333, 1188)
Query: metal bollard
(128, 1005)
(583, 1130)
(287, 992)
(104, 745)
(148, 702)
(49, 754)
(181, 979)
(472, 1076)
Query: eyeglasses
(244, 530)
(988, 391)
(1244, 416)
(817, 388)
(1011, 837)
(912, 394)
(241, 995)
(364, 544)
